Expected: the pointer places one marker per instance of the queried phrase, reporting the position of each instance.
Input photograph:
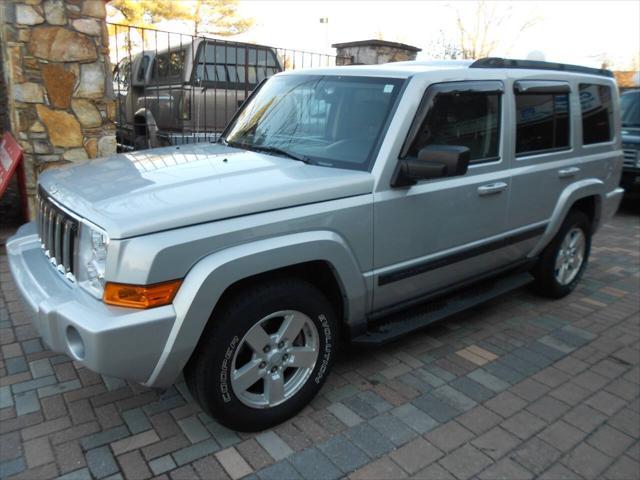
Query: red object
(10, 162)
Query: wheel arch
(586, 196)
(323, 258)
(144, 123)
(319, 273)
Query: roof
(393, 69)
(409, 68)
(377, 43)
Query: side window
(144, 64)
(217, 63)
(162, 66)
(468, 119)
(176, 63)
(597, 113)
(121, 76)
(542, 122)
(169, 66)
(234, 67)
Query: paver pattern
(522, 387)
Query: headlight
(92, 259)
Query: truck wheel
(564, 260)
(264, 355)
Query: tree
(217, 17)
(443, 48)
(144, 13)
(484, 26)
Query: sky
(569, 31)
(566, 31)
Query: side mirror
(433, 161)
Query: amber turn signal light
(140, 296)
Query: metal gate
(172, 88)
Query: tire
(233, 343)
(549, 279)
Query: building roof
(377, 43)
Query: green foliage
(218, 17)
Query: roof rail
(496, 62)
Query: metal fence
(174, 88)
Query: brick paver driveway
(522, 387)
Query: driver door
(439, 232)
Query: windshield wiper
(269, 149)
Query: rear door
(542, 139)
(562, 132)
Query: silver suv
(335, 199)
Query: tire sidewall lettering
(327, 348)
(225, 387)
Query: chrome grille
(630, 157)
(58, 232)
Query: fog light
(74, 340)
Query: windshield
(326, 120)
(630, 109)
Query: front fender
(208, 279)
(570, 195)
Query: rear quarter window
(597, 113)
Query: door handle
(568, 172)
(492, 188)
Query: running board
(401, 324)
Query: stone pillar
(374, 52)
(58, 81)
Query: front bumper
(115, 341)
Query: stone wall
(375, 52)
(58, 79)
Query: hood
(147, 191)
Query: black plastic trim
(523, 87)
(495, 62)
(381, 316)
(459, 256)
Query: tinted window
(630, 109)
(235, 67)
(144, 64)
(542, 122)
(595, 103)
(169, 66)
(467, 119)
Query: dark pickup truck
(186, 93)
